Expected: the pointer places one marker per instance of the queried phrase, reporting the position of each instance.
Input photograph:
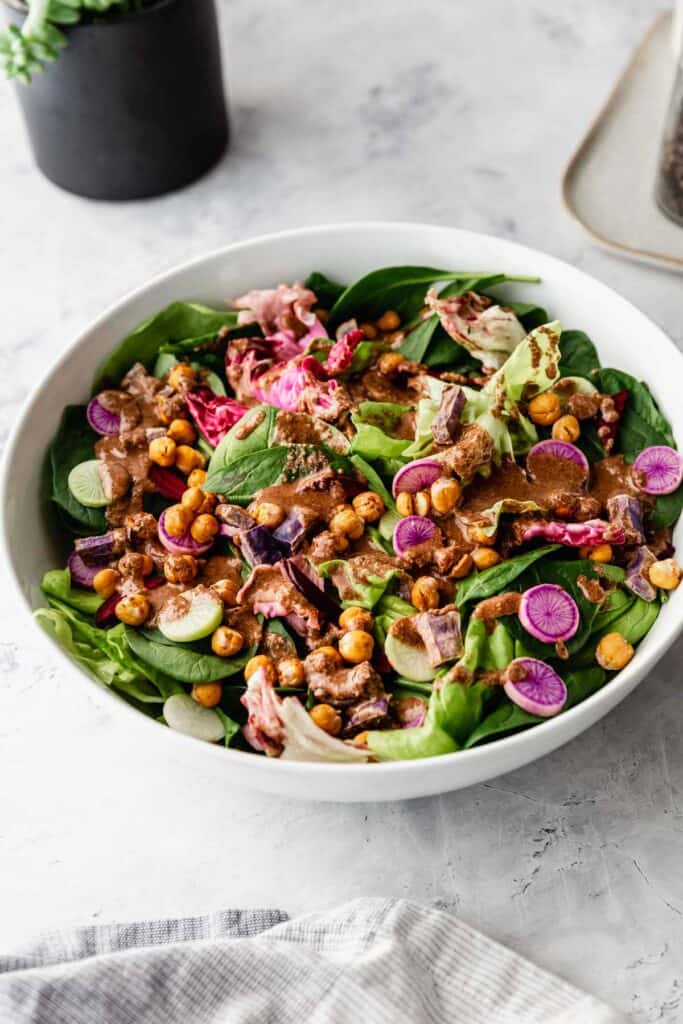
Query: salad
(391, 520)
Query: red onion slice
(549, 613)
(102, 420)
(416, 476)
(658, 469)
(535, 686)
(411, 532)
(183, 545)
(560, 450)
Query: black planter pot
(134, 106)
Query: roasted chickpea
(613, 652)
(105, 582)
(207, 694)
(264, 662)
(566, 429)
(177, 520)
(389, 362)
(290, 672)
(326, 718)
(267, 513)
(226, 642)
(132, 610)
(180, 568)
(227, 590)
(356, 618)
(602, 553)
(369, 506)
(162, 450)
(422, 503)
(135, 564)
(331, 653)
(445, 493)
(480, 533)
(665, 574)
(356, 646)
(181, 377)
(193, 498)
(348, 522)
(361, 739)
(484, 558)
(405, 505)
(187, 459)
(182, 432)
(389, 321)
(463, 567)
(545, 409)
(204, 528)
(424, 594)
(369, 330)
(196, 478)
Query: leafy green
(74, 442)
(371, 442)
(326, 291)
(242, 477)
(366, 588)
(374, 479)
(506, 718)
(177, 322)
(57, 583)
(486, 651)
(418, 341)
(27, 50)
(579, 356)
(184, 662)
(495, 580)
(365, 354)
(385, 415)
(230, 726)
(238, 442)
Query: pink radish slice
(549, 613)
(102, 420)
(80, 572)
(183, 545)
(658, 470)
(535, 686)
(560, 450)
(416, 476)
(411, 532)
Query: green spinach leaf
(492, 581)
(326, 291)
(179, 321)
(182, 661)
(578, 355)
(242, 477)
(57, 583)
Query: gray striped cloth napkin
(373, 961)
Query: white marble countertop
(461, 114)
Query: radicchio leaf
(213, 414)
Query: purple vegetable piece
(234, 520)
(183, 545)
(446, 423)
(102, 420)
(299, 572)
(576, 535)
(416, 476)
(440, 633)
(535, 686)
(167, 482)
(637, 574)
(658, 469)
(95, 549)
(369, 711)
(81, 573)
(105, 614)
(627, 513)
(259, 547)
(411, 712)
(560, 450)
(549, 613)
(411, 532)
(293, 531)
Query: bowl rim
(276, 767)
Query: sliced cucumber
(85, 484)
(410, 662)
(204, 614)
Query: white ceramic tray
(609, 184)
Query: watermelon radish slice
(658, 470)
(560, 450)
(85, 484)
(416, 476)
(102, 420)
(535, 686)
(185, 544)
(549, 613)
(191, 616)
(411, 532)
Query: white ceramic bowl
(624, 337)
